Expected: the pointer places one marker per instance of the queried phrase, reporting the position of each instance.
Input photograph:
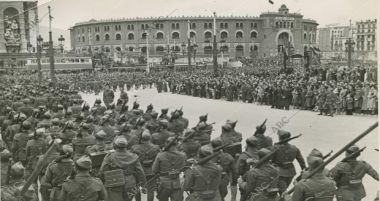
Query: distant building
(366, 39)
(237, 36)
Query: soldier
(238, 135)
(228, 136)
(314, 153)
(203, 130)
(83, 186)
(190, 146)
(149, 109)
(175, 124)
(203, 181)
(82, 141)
(348, 176)
(161, 137)
(153, 125)
(263, 141)
(56, 173)
(329, 102)
(19, 143)
(99, 145)
(163, 114)
(229, 171)
(146, 152)
(283, 158)
(34, 148)
(248, 157)
(169, 164)
(131, 169)
(184, 121)
(262, 181)
(318, 187)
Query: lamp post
(189, 48)
(61, 41)
(40, 40)
(215, 51)
(51, 51)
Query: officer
(131, 169)
(263, 141)
(56, 173)
(189, 145)
(283, 159)
(161, 137)
(19, 143)
(82, 186)
(244, 162)
(147, 152)
(203, 181)
(262, 181)
(349, 174)
(168, 165)
(229, 171)
(82, 141)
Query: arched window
(192, 34)
(210, 25)
(159, 35)
(310, 37)
(253, 34)
(143, 36)
(177, 25)
(193, 26)
(143, 50)
(118, 36)
(207, 50)
(118, 49)
(224, 35)
(176, 48)
(83, 39)
(208, 35)
(160, 49)
(222, 25)
(205, 26)
(239, 34)
(175, 35)
(97, 38)
(224, 48)
(130, 49)
(304, 36)
(131, 36)
(107, 37)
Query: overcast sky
(68, 12)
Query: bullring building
(237, 36)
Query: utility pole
(215, 51)
(39, 49)
(349, 45)
(188, 44)
(51, 51)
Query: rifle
(188, 137)
(260, 128)
(323, 158)
(288, 139)
(65, 127)
(197, 129)
(216, 149)
(352, 142)
(166, 148)
(353, 155)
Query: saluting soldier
(169, 164)
(283, 158)
(132, 171)
(349, 174)
(83, 186)
(203, 180)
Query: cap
(261, 129)
(136, 105)
(314, 161)
(170, 140)
(60, 106)
(202, 125)
(100, 135)
(282, 134)
(216, 142)
(205, 150)
(85, 126)
(40, 131)
(252, 141)
(352, 149)
(26, 124)
(145, 136)
(163, 122)
(84, 162)
(67, 149)
(121, 142)
(263, 152)
(316, 153)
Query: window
(304, 36)
(208, 35)
(118, 36)
(210, 25)
(226, 25)
(107, 37)
(118, 49)
(177, 25)
(253, 35)
(97, 38)
(276, 24)
(143, 36)
(255, 25)
(193, 26)
(129, 27)
(223, 35)
(192, 34)
(142, 26)
(205, 26)
(291, 25)
(173, 26)
(146, 26)
(157, 26)
(82, 30)
(106, 28)
(88, 30)
(131, 36)
(132, 27)
(175, 35)
(237, 25)
(222, 25)
(83, 39)
(239, 34)
(130, 49)
(161, 26)
(159, 35)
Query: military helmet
(283, 135)
(216, 142)
(101, 135)
(205, 150)
(145, 136)
(67, 149)
(55, 121)
(120, 142)
(164, 110)
(252, 141)
(149, 107)
(316, 153)
(227, 127)
(84, 162)
(203, 117)
(154, 114)
(263, 152)
(26, 124)
(135, 105)
(314, 161)
(352, 150)
(170, 140)
(232, 123)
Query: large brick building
(237, 36)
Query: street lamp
(40, 41)
(61, 41)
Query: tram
(62, 64)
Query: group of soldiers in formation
(71, 151)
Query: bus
(61, 64)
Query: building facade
(17, 25)
(243, 36)
(366, 40)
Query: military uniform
(169, 165)
(203, 181)
(83, 187)
(348, 177)
(130, 165)
(317, 187)
(161, 137)
(34, 148)
(204, 131)
(80, 143)
(262, 181)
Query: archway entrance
(283, 41)
(239, 51)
